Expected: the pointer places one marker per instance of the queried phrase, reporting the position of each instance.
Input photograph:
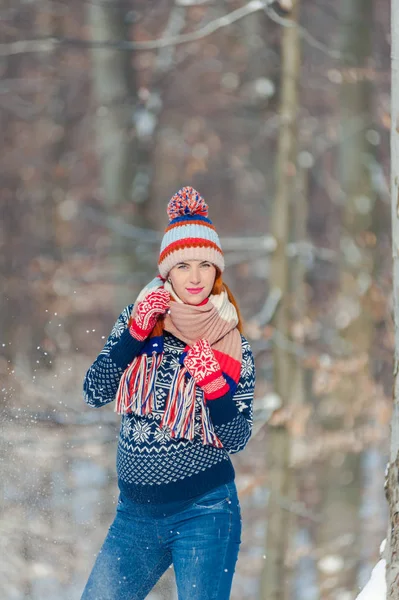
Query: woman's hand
(148, 311)
(202, 364)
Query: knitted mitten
(148, 311)
(203, 366)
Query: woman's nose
(195, 276)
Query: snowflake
(118, 329)
(126, 427)
(247, 367)
(202, 361)
(241, 405)
(141, 431)
(162, 436)
(174, 363)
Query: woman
(183, 379)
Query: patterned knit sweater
(152, 466)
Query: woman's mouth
(194, 290)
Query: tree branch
(48, 44)
(304, 33)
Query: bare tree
(116, 96)
(274, 577)
(340, 506)
(392, 480)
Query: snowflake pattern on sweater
(152, 466)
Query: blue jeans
(201, 537)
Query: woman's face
(193, 280)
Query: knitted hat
(190, 234)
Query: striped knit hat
(190, 234)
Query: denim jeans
(201, 537)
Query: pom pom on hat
(187, 202)
(190, 234)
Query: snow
(376, 588)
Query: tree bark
(341, 475)
(392, 481)
(274, 579)
(115, 90)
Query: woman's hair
(217, 289)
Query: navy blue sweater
(152, 466)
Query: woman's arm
(102, 378)
(232, 415)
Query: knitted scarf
(214, 320)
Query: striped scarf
(216, 321)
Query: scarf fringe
(136, 391)
(180, 406)
(179, 413)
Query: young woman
(183, 378)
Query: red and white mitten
(203, 366)
(148, 312)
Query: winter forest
(278, 112)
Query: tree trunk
(341, 475)
(304, 582)
(116, 102)
(274, 578)
(49, 194)
(392, 485)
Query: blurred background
(278, 113)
